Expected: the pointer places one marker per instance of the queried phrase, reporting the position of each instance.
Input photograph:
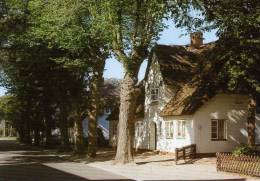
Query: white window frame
(159, 129)
(154, 94)
(217, 131)
(107, 110)
(139, 128)
(181, 127)
(169, 129)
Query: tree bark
(251, 121)
(64, 134)
(36, 137)
(20, 134)
(79, 145)
(49, 122)
(94, 108)
(64, 129)
(27, 133)
(124, 152)
(48, 133)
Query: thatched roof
(198, 81)
(177, 65)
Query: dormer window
(107, 110)
(154, 94)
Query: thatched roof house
(187, 101)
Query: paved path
(22, 163)
(161, 167)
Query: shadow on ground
(20, 162)
(208, 180)
(34, 171)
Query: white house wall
(170, 144)
(152, 109)
(141, 134)
(231, 107)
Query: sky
(170, 36)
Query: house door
(153, 133)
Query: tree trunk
(49, 122)
(27, 133)
(64, 134)
(124, 152)
(251, 121)
(48, 133)
(36, 137)
(64, 130)
(79, 145)
(4, 130)
(93, 111)
(21, 135)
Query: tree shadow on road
(34, 171)
(238, 179)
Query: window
(159, 132)
(107, 110)
(169, 129)
(154, 93)
(218, 129)
(181, 128)
(139, 127)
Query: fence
(186, 152)
(247, 165)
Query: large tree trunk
(64, 134)
(93, 111)
(27, 133)
(49, 122)
(64, 130)
(79, 145)
(124, 152)
(48, 133)
(20, 134)
(251, 121)
(36, 136)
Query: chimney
(196, 39)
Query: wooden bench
(186, 152)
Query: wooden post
(176, 156)
(184, 156)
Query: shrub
(243, 150)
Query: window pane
(214, 129)
(218, 129)
(221, 129)
(214, 135)
(154, 93)
(214, 123)
(183, 128)
(169, 129)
